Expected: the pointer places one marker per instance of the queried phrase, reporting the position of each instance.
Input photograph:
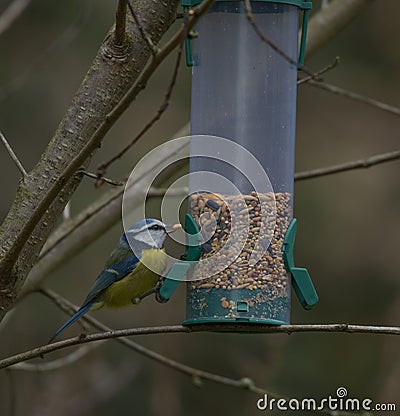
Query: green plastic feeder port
(245, 92)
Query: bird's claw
(136, 300)
(159, 298)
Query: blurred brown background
(348, 231)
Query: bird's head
(147, 233)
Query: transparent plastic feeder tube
(243, 91)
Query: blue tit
(125, 277)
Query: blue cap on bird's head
(146, 233)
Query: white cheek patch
(145, 237)
(153, 238)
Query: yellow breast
(140, 281)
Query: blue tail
(71, 320)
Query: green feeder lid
(304, 5)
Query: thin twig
(13, 155)
(265, 39)
(354, 96)
(103, 167)
(174, 329)
(153, 48)
(13, 11)
(342, 167)
(103, 179)
(319, 73)
(120, 23)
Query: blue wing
(110, 275)
(105, 279)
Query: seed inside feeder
(243, 278)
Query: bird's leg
(138, 299)
(156, 290)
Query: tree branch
(330, 20)
(13, 11)
(94, 176)
(354, 96)
(13, 155)
(343, 167)
(120, 23)
(163, 107)
(317, 74)
(173, 329)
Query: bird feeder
(244, 77)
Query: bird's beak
(171, 228)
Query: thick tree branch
(13, 11)
(330, 20)
(42, 197)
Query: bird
(127, 276)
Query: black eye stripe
(156, 227)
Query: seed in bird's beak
(173, 227)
